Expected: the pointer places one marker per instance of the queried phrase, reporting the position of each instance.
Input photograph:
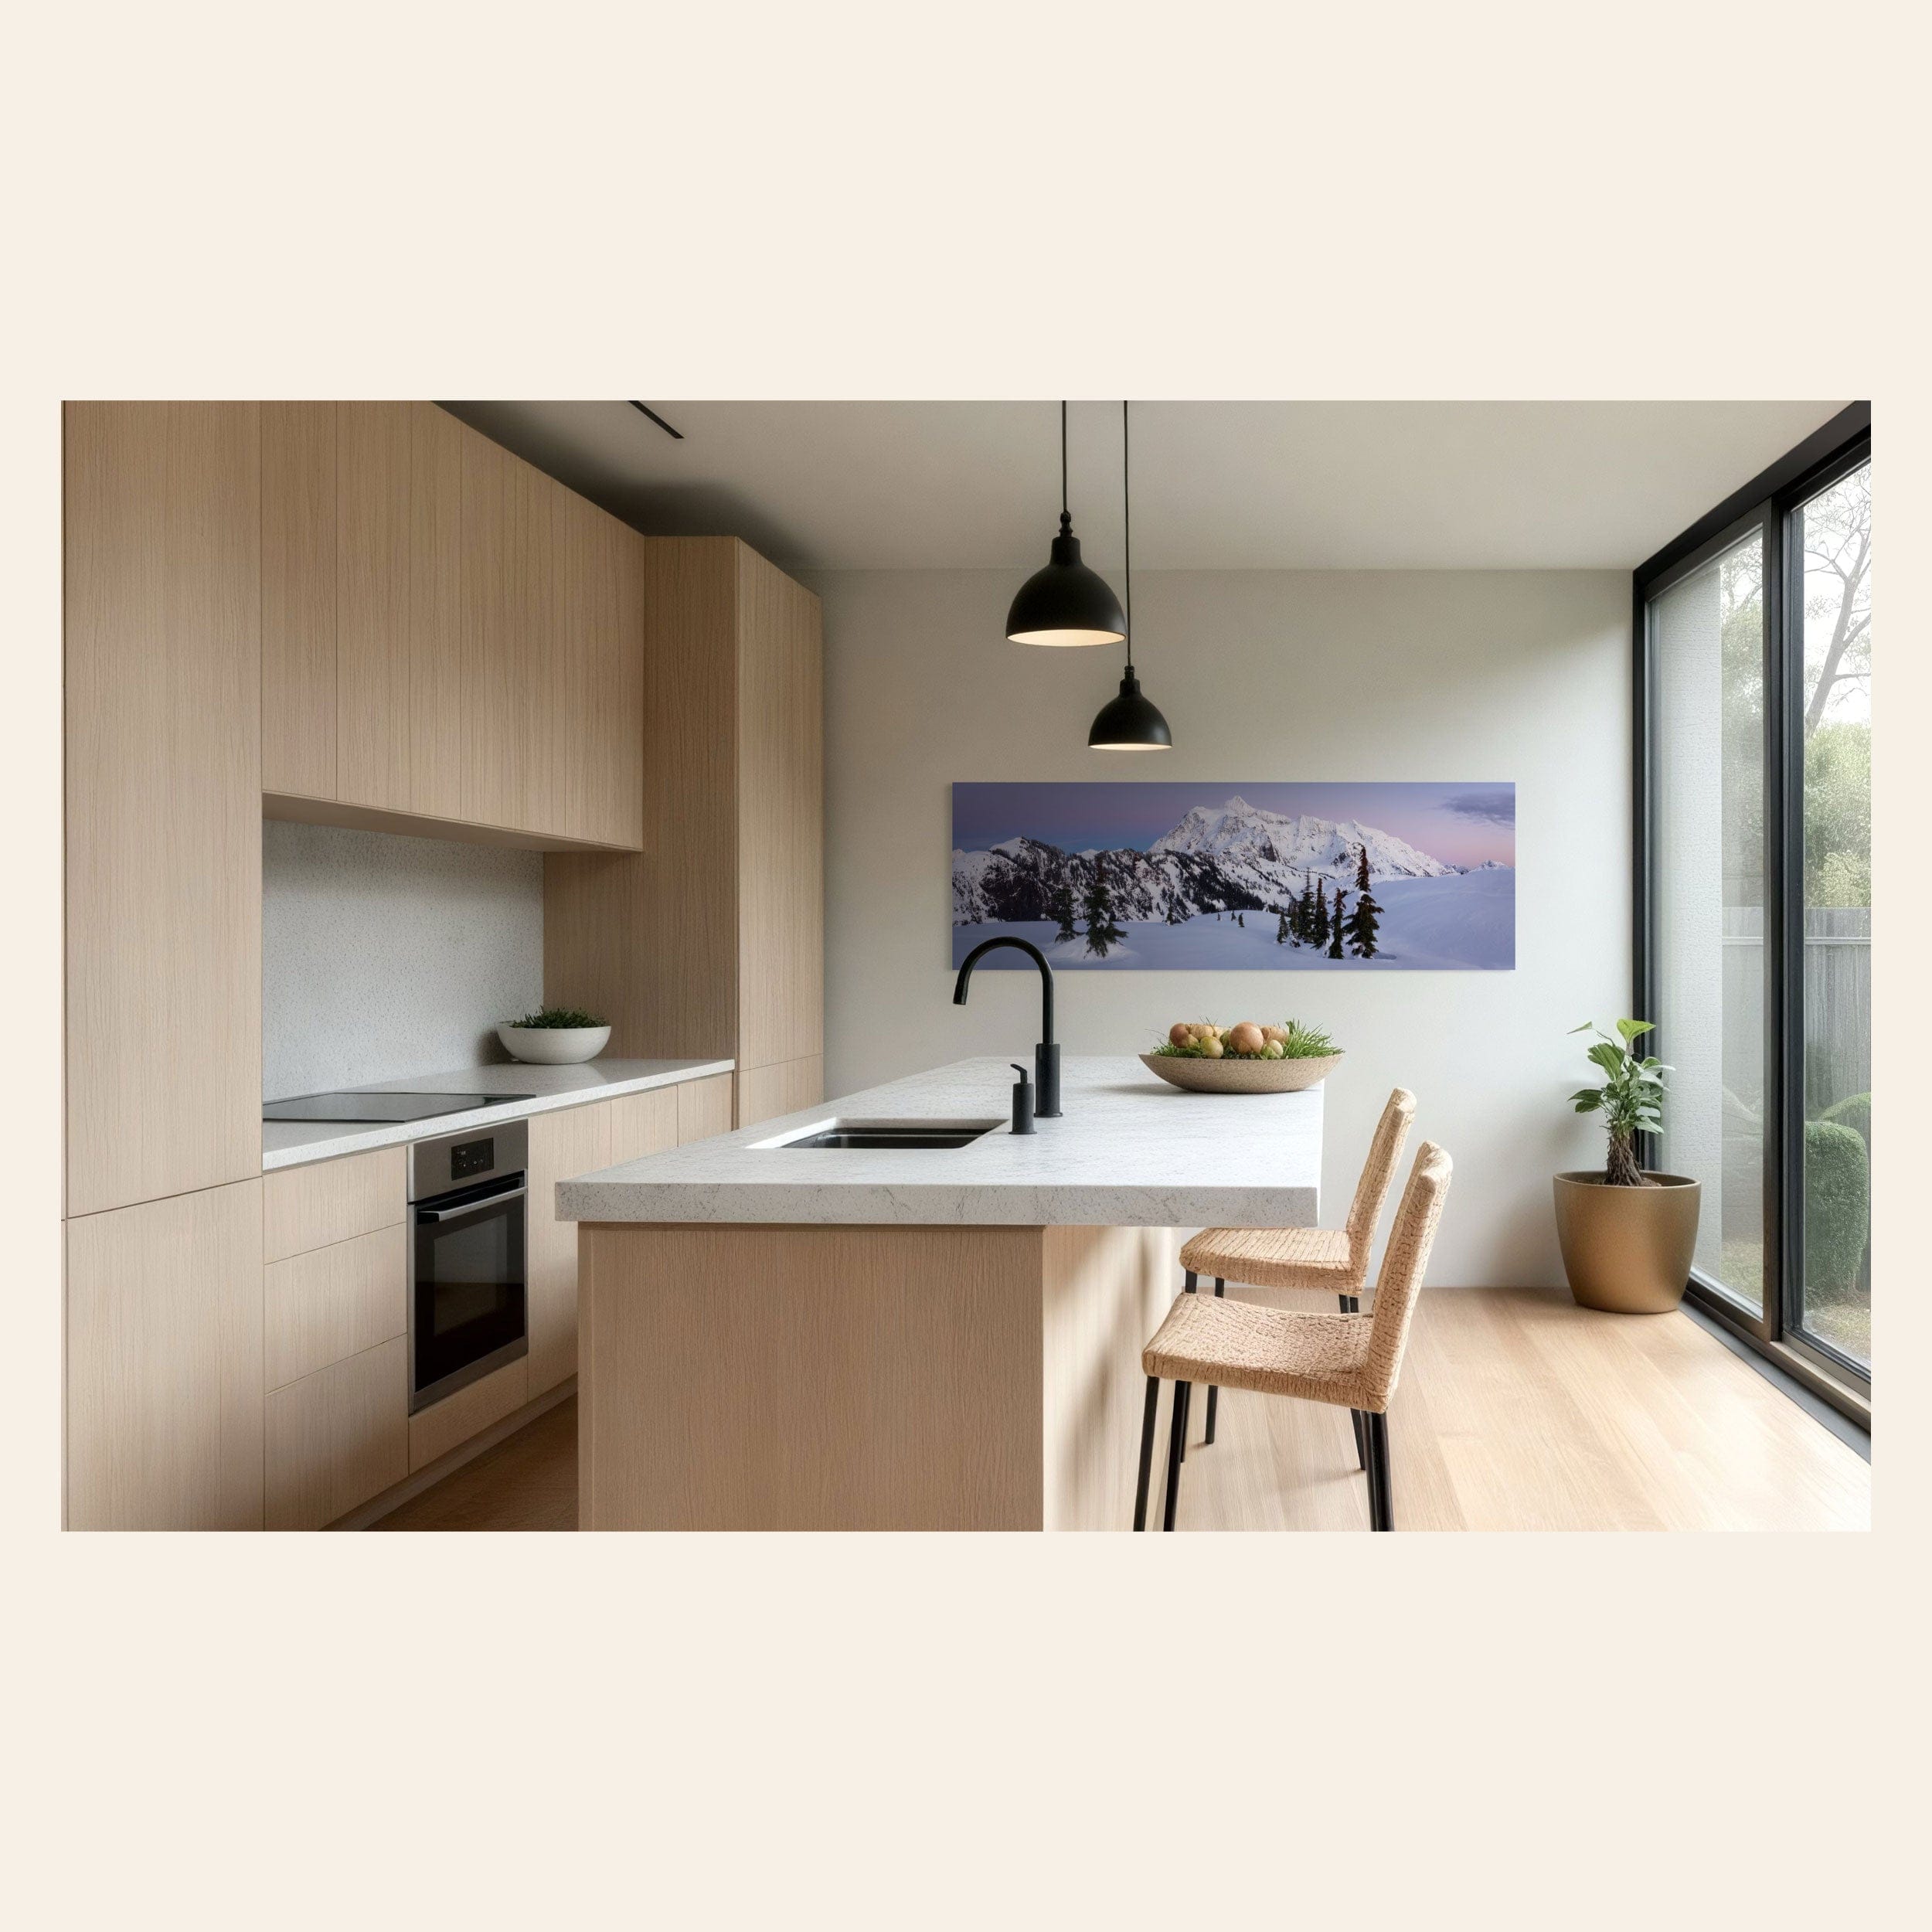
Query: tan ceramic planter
(1628, 1250)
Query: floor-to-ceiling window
(1754, 940)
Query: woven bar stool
(1350, 1361)
(1335, 1261)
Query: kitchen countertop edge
(568, 1084)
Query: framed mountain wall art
(1340, 878)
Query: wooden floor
(1517, 1410)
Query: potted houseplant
(555, 1036)
(1627, 1234)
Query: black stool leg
(1382, 1512)
(1176, 1438)
(1147, 1451)
(1187, 1285)
(1361, 1440)
(1214, 1394)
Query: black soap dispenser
(1022, 1100)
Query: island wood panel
(374, 527)
(766, 1092)
(781, 818)
(810, 1378)
(324, 1201)
(704, 1108)
(163, 624)
(164, 1363)
(436, 702)
(651, 941)
(571, 1142)
(298, 697)
(1103, 1292)
(336, 1437)
(448, 1424)
(332, 1303)
(643, 1124)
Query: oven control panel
(472, 1156)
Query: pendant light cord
(1126, 539)
(1065, 516)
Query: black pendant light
(1066, 603)
(1129, 722)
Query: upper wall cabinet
(449, 634)
(163, 614)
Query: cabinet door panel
(164, 1364)
(324, 1201)
(781, 819)
(435, 1431)
(704, 1108)
(337, 1438)
(643, 1124)
(575, 714)
(298, 598)
(373, 586)
(163, 617)
(766, 1092)
(572, 1141)
(435, 613)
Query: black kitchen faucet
(1046, 1055)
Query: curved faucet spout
(1046, 1055)
(1033, 953)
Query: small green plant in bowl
(570, 1016)
(1250, 1040)
(555, 1036)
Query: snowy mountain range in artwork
(1284, 877)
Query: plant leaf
(1630, 1029)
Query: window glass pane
(1834, 533)
(1708, 643)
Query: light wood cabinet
(643, 1124)
(164, 1363)
(332, 1303)
(574, 1140)
(704, 1108)
(766, 1092)
(734, 762)
(164, 656)
(337, 1438)
(298, 598)
(451, 1423)
(323, 1202)
(450, 636)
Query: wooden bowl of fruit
(1248, 1058)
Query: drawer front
(337, 1438)
(330, 1201)
(704, 1108)
(468, 1412)
(332, 1303)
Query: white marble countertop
(290, 1143)
(1128, 1150)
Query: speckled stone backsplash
(384, 957)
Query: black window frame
(1767, 505)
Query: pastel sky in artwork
(1460, 823)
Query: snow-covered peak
(1242, 836)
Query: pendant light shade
(1066, 603)
(1130, 722)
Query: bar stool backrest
(1403, 1265)
(1392, 1131)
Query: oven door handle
(425, 1215)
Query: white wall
(384, 957)
(1507, 676)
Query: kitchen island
(777, 1337)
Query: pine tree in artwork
(1102, 934)
(1241, 920)
(1281, 927)
(1304, 926)
(1335, 932)
(1321, 933)
(1364, 921)
(1063, 912)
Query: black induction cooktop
(381, 1107)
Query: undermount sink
(873, 1136)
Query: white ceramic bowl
(553, 1045)
(1242, 1076)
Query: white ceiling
(1244, 486)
